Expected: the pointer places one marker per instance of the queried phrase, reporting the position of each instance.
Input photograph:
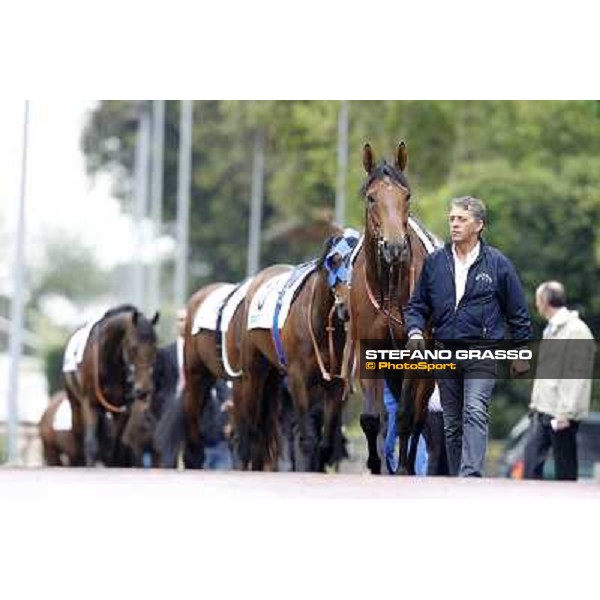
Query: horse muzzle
(393, 252)
(141, 394)
(342, 312)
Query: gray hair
(474, 205)
(553, 292)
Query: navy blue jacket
(493, 295)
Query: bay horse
(383, 278)
(308, 356)
(205, 353)
(111, 389)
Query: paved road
(111, 483)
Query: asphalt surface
(127, 483)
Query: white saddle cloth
(77, 343)
(264, 302)
(208, 312)
(232, 304)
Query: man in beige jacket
(562, 389)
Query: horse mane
(384, 169)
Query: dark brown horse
(384, 275)
(312, 342)
(208, 356)
(111, 389)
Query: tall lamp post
(16, 308)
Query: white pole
(256, 204)
(156, 192)
(141, 203)
(184, 178)
(342, 155)
(16, 308)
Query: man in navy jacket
(469, 290)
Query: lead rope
(374, 302)
(327, 376)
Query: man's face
(464, 228)
(540, 304)
(181, 322)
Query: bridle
(109, 406)
(389, 274)
(130, 379)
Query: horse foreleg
(422, 390)
(288, 428)
(370, 421)
(405, 426)
(305, 442)
(332, 416)
(414, 446)
(77, 428)
(90, 438)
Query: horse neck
(111, 337)
(378, 274)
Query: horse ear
(402, 157)
(134, 318)
(155, 318)
(368, 160)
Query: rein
(98, 390)
(330, 328)
(388, 299)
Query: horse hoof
(370, 424)
(374, 465)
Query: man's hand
(519, 367)
(558, 424)
(416, 343)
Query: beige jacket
(554, 394)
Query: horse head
(139, 354)
(387, 194)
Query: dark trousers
(540, 438)
(465, 395)
(433, 432)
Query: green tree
(69, 269)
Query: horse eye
(371, 200)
